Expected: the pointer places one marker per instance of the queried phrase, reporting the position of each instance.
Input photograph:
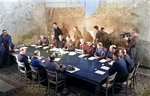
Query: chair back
(35, 72)
(21, 66)
(51, 74)
(79, 51)
(136, 68)
(110, 80)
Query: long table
(87, 67)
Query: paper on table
(111, 63)
(38, 46)
(72, 53)
(76, 69)
(16, 49)
(53, 49)
(100, 72)
(103, 60)
(33, 45)
(45, 47)
(91, 58)
(80, 56)
(57, 59)
(105, 67)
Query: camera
(126, 34)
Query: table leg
(97, 90)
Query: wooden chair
(128, 82)
(134, 75)
(22, 69)
(36, 75)
(53, 78)
(109, 84)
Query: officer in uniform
(70, 45)
(52, 41)
(88, 49)
(43, 40)
(61, 42)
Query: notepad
(53, 49)
(100, 72)
(38, 46)
(72, 53)
(80, 56)
(91, 58)
(105, 67)
(111, 63)
(103, 60)
(45, 47)
(57, 59)
(76, 69)
(33, 45)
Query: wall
(23, 19)
(117, 16)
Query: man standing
(130, 44)
(57, 31)
(61, 42)
(6, 41)
(97, 35)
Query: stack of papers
(91, 58)
(38, 46)
(111, 63)
(16, 49)
(105, 67)
(100, 72)
(76, 69)
(45, 47)
(72, 53)
(80, 56)
(103, 60)
(59, 50)
(33, 45)
(57, 59)
(53, 49)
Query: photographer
(130, 43)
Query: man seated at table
(52, 41)
(23, 58)
(35, 62)
(123, 54)
(43, 40)
(100, 51)
(61, 42)
(82, 44)
(120, 67)
(109, 55)
(88, 49)
(52, 66)
(69, 44)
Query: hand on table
(108, 59)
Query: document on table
(91, 58)
(45, 47)
(80, 56)
(111, 63)
(105, 67)
(76, 69)
(53, 49)
(72, 53)
(16, 50)
(38, 46)
(57, 59)
(33, 45)
(100, 72)
(103, 60)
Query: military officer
(70, 45)
(61, 42)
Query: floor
(5, 86)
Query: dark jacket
(120, 67)
(57, 32)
